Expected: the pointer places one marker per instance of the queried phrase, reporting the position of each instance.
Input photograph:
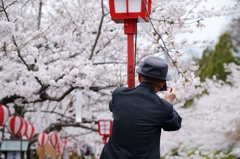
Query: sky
(214, 27)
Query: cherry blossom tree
(212, 123)
(50, 50)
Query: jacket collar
(148, 85)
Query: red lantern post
(127, 12)
(105, 129)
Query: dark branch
(58, 127)
(99, 32)
(84, 120)
(39, 14)
(103, 63)
(10, 99)
(44, 96)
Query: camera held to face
(164, 88)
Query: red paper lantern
(54, 139)
(24, 129)
(105, 128)
(15, 124)
(59, 149)
(42, 139)
(30, 131)
(65, 139)
(4, 114)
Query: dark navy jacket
(139, 114)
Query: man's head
(75, 151)
(154, 71)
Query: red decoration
(65, 140)
(121, 10)
(128, 12)
(15, 124)
(59, 149)
(4, 114)
(105, 129)
(42, 139)
(24, 129)
(105, 139)
(54, 139)
(30, 131)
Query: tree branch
(107, 43)
(44, 96)
(17, 48)
(84, 120)
(99, 32)
(59, 126)
(39, 14)
(10, 99)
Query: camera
(164, 88)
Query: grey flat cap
(156, 68)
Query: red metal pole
(127, 5)
(104, 140)
(130, 30)
(131, 67)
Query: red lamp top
(129, 9)
(105, 127)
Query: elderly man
(140, 114)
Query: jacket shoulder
(120, 89)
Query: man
(74, 155)
(140, 114)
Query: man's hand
(170, 95)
